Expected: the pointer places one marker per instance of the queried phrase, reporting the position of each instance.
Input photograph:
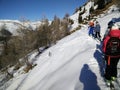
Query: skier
(111, 23)
(91, 28)
(97, 31)
(111, 49)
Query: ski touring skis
(113, 85)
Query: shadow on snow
(100, 59)
(88, 78)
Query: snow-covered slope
(64, 69)
(86, 13)
(75, 63)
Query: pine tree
(80, 18)
(101, 4)
(91, 9)
(118, 3)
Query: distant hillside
(85, 12)
(14, 25)
(91, 11)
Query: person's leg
(95, 35)
(107, 74)
(99, 35)
(89, 32)
(114, 62)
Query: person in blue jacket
(91, 29)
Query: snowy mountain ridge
(14, 25)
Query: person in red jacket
(113, 57)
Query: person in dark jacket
(111, 23)
(97, 30)
(111, 61)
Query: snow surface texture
(71, 66)
(74, 63)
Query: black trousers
(111, 70)
(97, 35)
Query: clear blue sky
(36, 9)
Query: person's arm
(105, 43)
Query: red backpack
(111, 43)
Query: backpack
(113, 47)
